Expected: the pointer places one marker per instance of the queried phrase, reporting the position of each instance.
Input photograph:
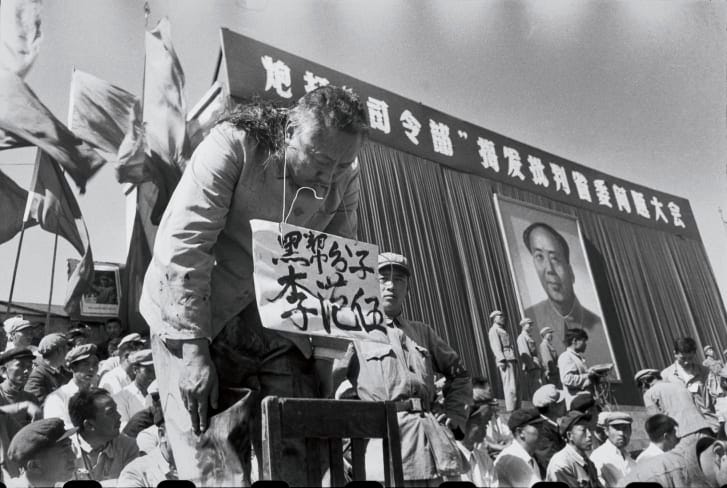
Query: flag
(137, 260)
(12, 202)
(109, 118)
(24, 116)
(20, 34)
(52, 204)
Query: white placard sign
(310, 282)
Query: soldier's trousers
(509, 385)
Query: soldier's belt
(410, 405)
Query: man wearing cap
(83, 363)
(515, 465)
(662, 432)
(48, 373)
(571, 464)
(551, 406)
(403, 371)
(134, 397)
(612, 458)
(549, 357)
(714, 366)
(43, 452)
(20, 332)
(503, 348)
(119, 377)
(530, 367)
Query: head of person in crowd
(478, 416)
(551, 258)
(16, 365)
(83, 363)
(20, 331)
(585, 403)
(113, 329)
(574, 429)
(77, 336)
(93, 412)
(685, 352)
(143, 367)
(712, 454)
(43, 451)
(394, 274)
(323, 134)
(576, 339)
(497, 317)
(526, 325)
(709, 352)
(38, 332)
(617, 426)
(129, 344)
(546, 334)
(482, 390)
(549, 401)
(662, 431)
(53, 348)
(523, 424)
(645, 378)
(112, 346)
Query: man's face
(107, 421)
(394, 285)
(580, 436)
(619, 435)
(526, 327)
(24, 337)
(18, 370)
(113, 329)
(499, 319)
(548, 337)
(554, 270)
(579, 345)
(53, 464)
(84, 371)
(316, 157)
(685, 359)
(144, 375)
(529, 437)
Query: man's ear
(89, 425)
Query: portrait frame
(514, 216)
(98, 302)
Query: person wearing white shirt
(135, 397)
(83, 363)
(662, 432)
(611, 458)
(115, 380)
(515, 465)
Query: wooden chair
(324, 424)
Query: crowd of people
(122, 410)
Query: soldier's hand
(503, 366)
(199, 383)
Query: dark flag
(12, 202)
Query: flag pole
(52, 278)
(15, 268)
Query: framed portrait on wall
(552, 276)
(103, 297)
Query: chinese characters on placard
(315, 283)
(516, 164)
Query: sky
(636, 89)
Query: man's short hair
(576, 334)
(658, 425)
(561, 240)
(82, 406)
(480, 382)
(332, 107)
(685, 345)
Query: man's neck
(564, 308)
(95, 442)
(142, 388)
(524, 447)
(578, 450)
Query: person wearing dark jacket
(49, 372)
(551, 405)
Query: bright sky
(635, 88)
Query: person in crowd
(148, 437)
(112, 332)
(198, 295)
(548, 357)
(551, 406)
(480, 470)
(112, 357)
(515, 465)
(498, 435)
(571, 465)
(42, 450)
(15, 366)
(503, 348)
(612, 458)
(714, 366)
(685, 370)
(151, 468)
(403, 371)
(49, 373)
(586, 403)
(530, 367)
(134, 397)
(575, 375)
(101, 450)
(674, 400)
(662, 432)
(720, 403)
(121, 376)
(83, 363)
(702, 464)
(20, 333)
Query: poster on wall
(102, 298)
(552, 276)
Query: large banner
(251, 68)
(310, 282)
(553, 278)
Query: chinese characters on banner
(313, 283)
(414, 128)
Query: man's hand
(33, 411)
(503, 366)
(198, 384)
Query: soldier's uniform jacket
(501, 344)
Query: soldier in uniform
(503, 348)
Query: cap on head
(545, 330)
(396, 260)
(79, 353)
(645, 374)
(16, 353)
(523, 417)
(141, 358)
(566, 423)
(547, 395)
(52, 342)
(36, 436)
(707, 348)
(495, 313)
(582, 402)
(525, 321)
(16, 323)
(615, 418)
(133, 338)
